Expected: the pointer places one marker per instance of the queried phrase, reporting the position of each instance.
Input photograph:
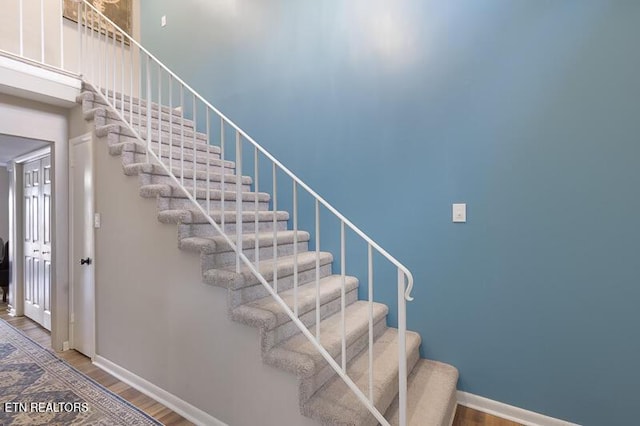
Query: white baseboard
(186, 410)
(508, 412)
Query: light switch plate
(163, 20)
(96, 220)
(459, 212)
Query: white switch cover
(459, 213)
(96, 220)
(163, 20)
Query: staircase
(352, 368)
(323, 394)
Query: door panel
(83, 275)
(37, 243)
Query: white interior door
(82, 269)
(37, 240)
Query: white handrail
(405, 278)
(332, 209)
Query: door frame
(16, 226)
(90, 231)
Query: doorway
(82, 266)
(36, 198)
(16, 153)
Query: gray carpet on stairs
(323, 395)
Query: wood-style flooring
(464, 416)
(80, 362)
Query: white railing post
(80, 31)
(62, 34)
(42, 31)
(115, 68)
(148, 108)
(195, 153)
(170, 123)
(295, 248)
(222, 176)
(370, 276)
(160, 114)
(343, 272)
(402, 350)
(317, 271)
(21, 26)
(256, 181)
(122, 75)
(208, 160)
(238, 200)
(182, 135)
(275, 229)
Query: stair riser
(176, 129)
(173, 203)
(176, 163)
(177, 154)
(154, 106)
(219, 260)
(284, 331)
(166, 143)
(119, 134)
(175, 138)
(91, 109)
(251, 293)
(391, 391)
(206, 230)
(309, 385)
(148, 178)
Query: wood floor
(464, 416)
(83, 364)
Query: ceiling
(14, 146)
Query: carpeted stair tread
(176, 118)
(201, 175)
(266, 313)
(229, 278)
(122, 129)
(105, 112)
(177, 158)
(136, 101)
(431, 395)
(219, 244)
(168, 190)
(135, 145)
(298, 355)
(336, 404)
(196, 216)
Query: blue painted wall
(529, 111)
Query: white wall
(4, 203)
(34, 120)
(157, 319)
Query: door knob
(46, 252)
(36, 251)
(86, 261)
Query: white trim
(86, 138)
(22, 78)
(508, 412)
(34, 155)
(186, 410)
